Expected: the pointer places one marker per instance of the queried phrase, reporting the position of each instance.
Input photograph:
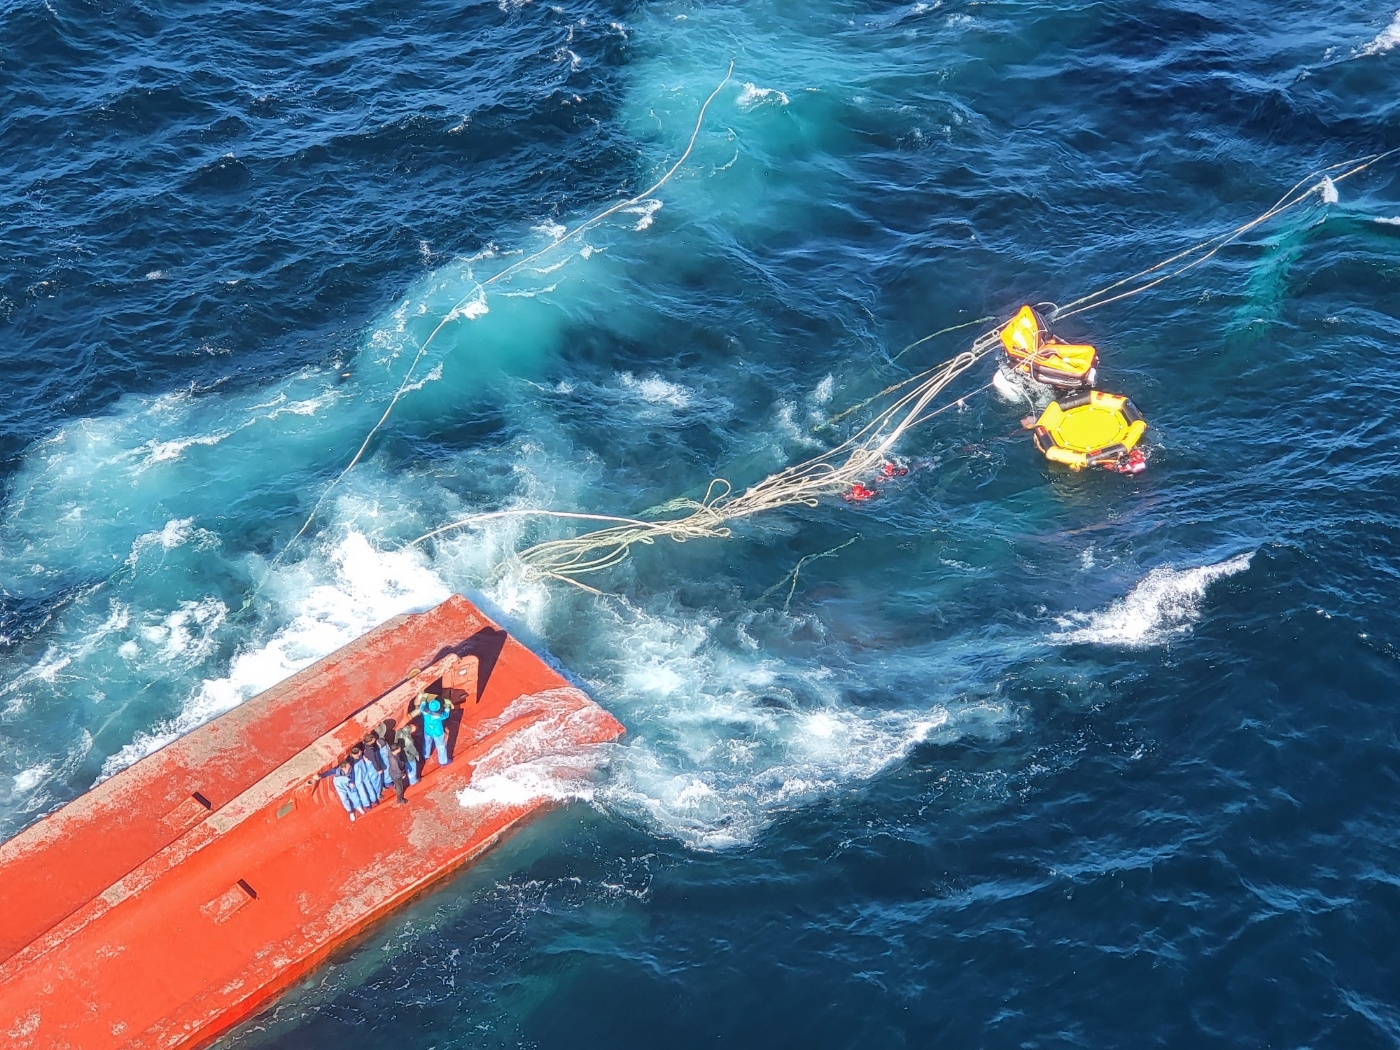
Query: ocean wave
(646, 212)
(1383, 41)
(751, 95)
(657, 391)
(728, 738)
(1164, 604)
(539, 762)
(334, 601)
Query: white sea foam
(553, 230)
(529, 293)
(28, 779)
(551, 778)
(188, 634)
(474, 307)
(656, 391)
(59, 657)
(303, 407)
(647, 210)
(717, 784)
(1164, 604)
(164, 451)
(752, 95)
(727, 740)
(1387, 220)
(1328, 190)
(539, 762)
(791, 432)
(334, 603)
(551, 267)
(176, 533)
(1385, 40)
(431, 376)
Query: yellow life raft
(1091, 429)
(1034, 351)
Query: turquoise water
(1028, 758)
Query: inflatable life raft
(1033, 350)
(1091, 429)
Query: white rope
(804, 484)
(711, 517)
(481, 286)
(1200, 253)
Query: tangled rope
(860, 456)
(712, 516)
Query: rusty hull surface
(174, 899)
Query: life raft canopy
(1032, 349)
(1091, 429)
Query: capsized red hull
(174, 899)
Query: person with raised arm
(434, 710)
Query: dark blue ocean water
(1039, 759)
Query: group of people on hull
(379, 762)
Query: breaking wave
(540, 762)
(1164, 604)
(335, 604)
(1385, 40)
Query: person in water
(343, 780)
(434, 711)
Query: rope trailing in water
(1317, 182)
(458, 310)
(859, 456)
(712, 517)
(797, 570)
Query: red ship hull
(173, 900)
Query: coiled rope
(860, 456)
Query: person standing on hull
(369, 779)
(413, 761)
(377, 751)
(343, 780)
(396, 770)
(434, 712)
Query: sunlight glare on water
(1006, 756)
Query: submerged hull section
(174, 899)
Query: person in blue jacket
(343, 780)
(376, 745)
(434, 711)
(369, 779)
